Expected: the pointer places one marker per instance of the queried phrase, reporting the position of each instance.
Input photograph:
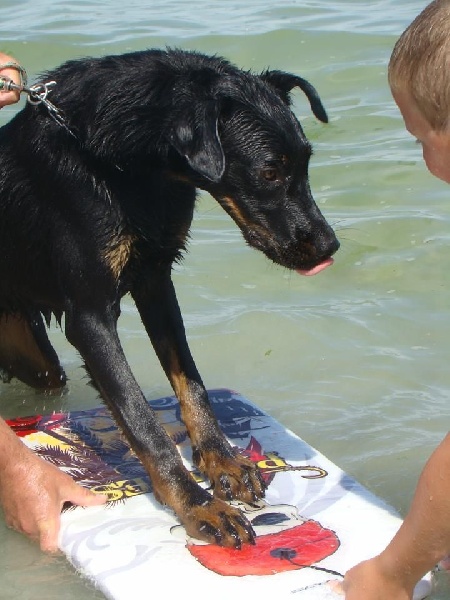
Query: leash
(37, 95)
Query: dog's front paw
(232, 476)
(215, 522)
(238, 479)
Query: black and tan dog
(103, 208)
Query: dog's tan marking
(16, 339)
(235, 212)
(180, 384)
(181, 388)
(21, 355)
(182, 391)
(118, 254)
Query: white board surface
(314, 514)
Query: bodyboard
(313, 525)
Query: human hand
(12, 73)
(368, 580)
(32, 494)
(444, 564)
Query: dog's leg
(26, 352)
(93, 332)
(232, 476)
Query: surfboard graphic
(314, 524)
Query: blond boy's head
(420, 64)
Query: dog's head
(243, 144)
(224, 130)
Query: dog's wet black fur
(105, 210)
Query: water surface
(353, 360)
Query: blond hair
(420, 63)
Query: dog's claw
(218, 537)
(235, 477)
(248, 527)
(219, 523)
(226, 487)
(262, 481)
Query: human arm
(33, 491)
(12, 73)
(421, 542)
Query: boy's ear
(285, 82)
(195, 136)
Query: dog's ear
(195, 136)
(285, 82)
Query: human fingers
(10, 69)
(83, 497)
(48, 529)
(49, 535)
(444, 564)
(336, 586)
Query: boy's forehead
(414, 120)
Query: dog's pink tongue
(320, 267)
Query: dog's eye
(270, 174)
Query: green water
(353, 360)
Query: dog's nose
(318, 255)
(334, 245)
(325, 242)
